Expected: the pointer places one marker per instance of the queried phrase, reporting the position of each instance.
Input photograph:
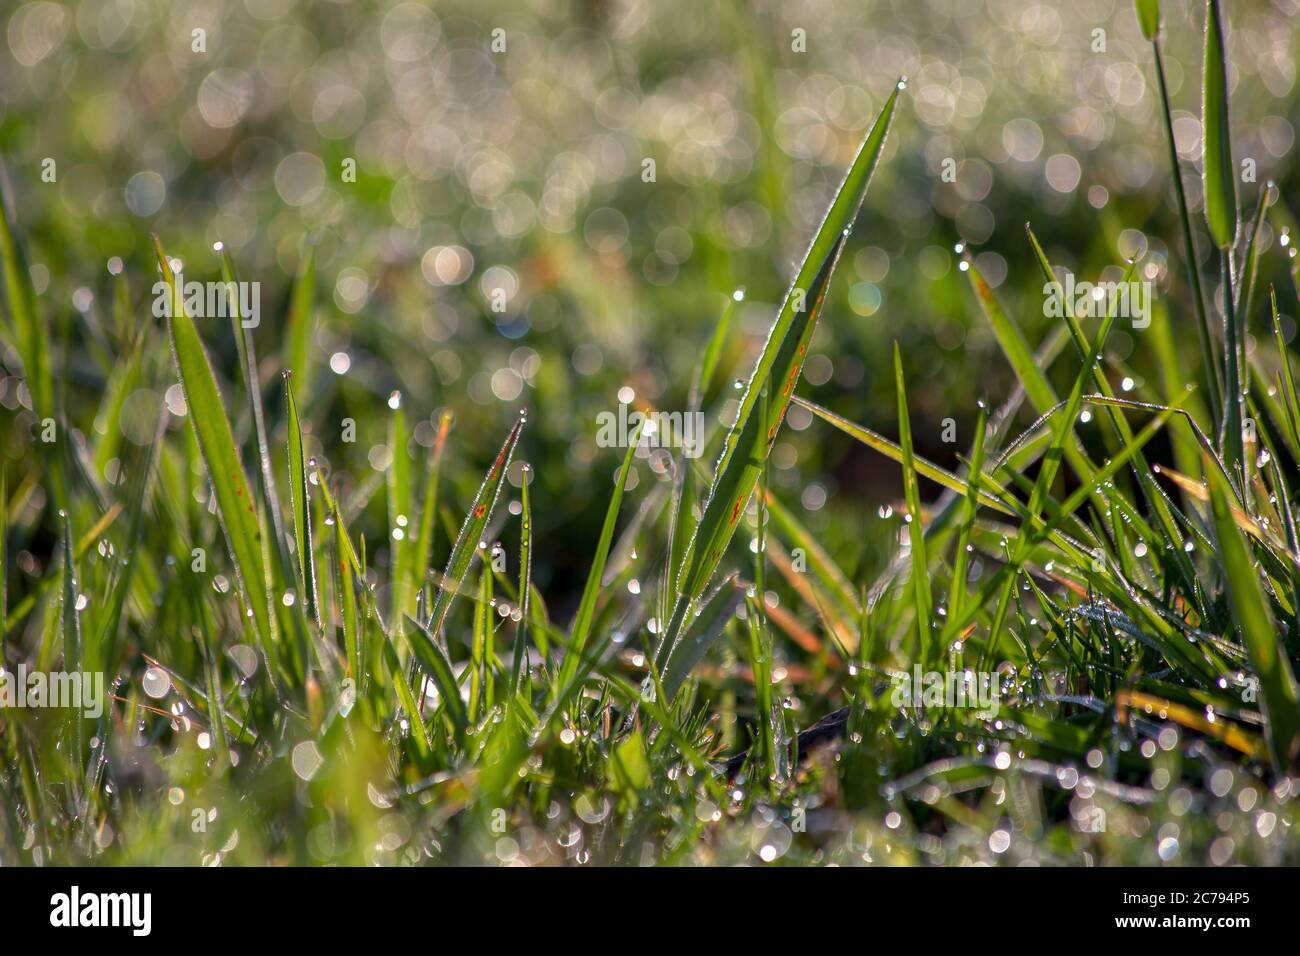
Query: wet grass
(724, 687)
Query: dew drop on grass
(307, 760)
(156, 682)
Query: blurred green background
(519, 175)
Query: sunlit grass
(311, 666)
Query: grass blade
(300, 498)
(480, 512)
(211, 428)
(923, 600)
(301, 302)
(780, 363)
(587, 606)
(438, 667)
(1148, 14)
(1218, 174)
(1250, 612)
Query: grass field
(562, 433)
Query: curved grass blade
(207, 416)
(403, 687)
(438, 667)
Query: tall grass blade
(922, 599)
(211, 428)
(480, 512)
(1218, 175)
(300, 498)
(591, 591)
(1250, 612)
(1148, 14)
(780, 363)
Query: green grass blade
(1148, 14)
(207, 417)
(243, 333)
(713, 351)
(348, 601)
(424, 539)
(300, 498)
(480, 512)
(1250, 265)
(591, 591)
(1250, 612)
(1218, 175)
(970, 507)
(1213, 385)
(438, 667)
(892, 450)
(519, 661)
(780, 363)
(31, 336)
(923, 600)
(403, 687)
(298, 338)
(1290, 397)
(398, 481)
